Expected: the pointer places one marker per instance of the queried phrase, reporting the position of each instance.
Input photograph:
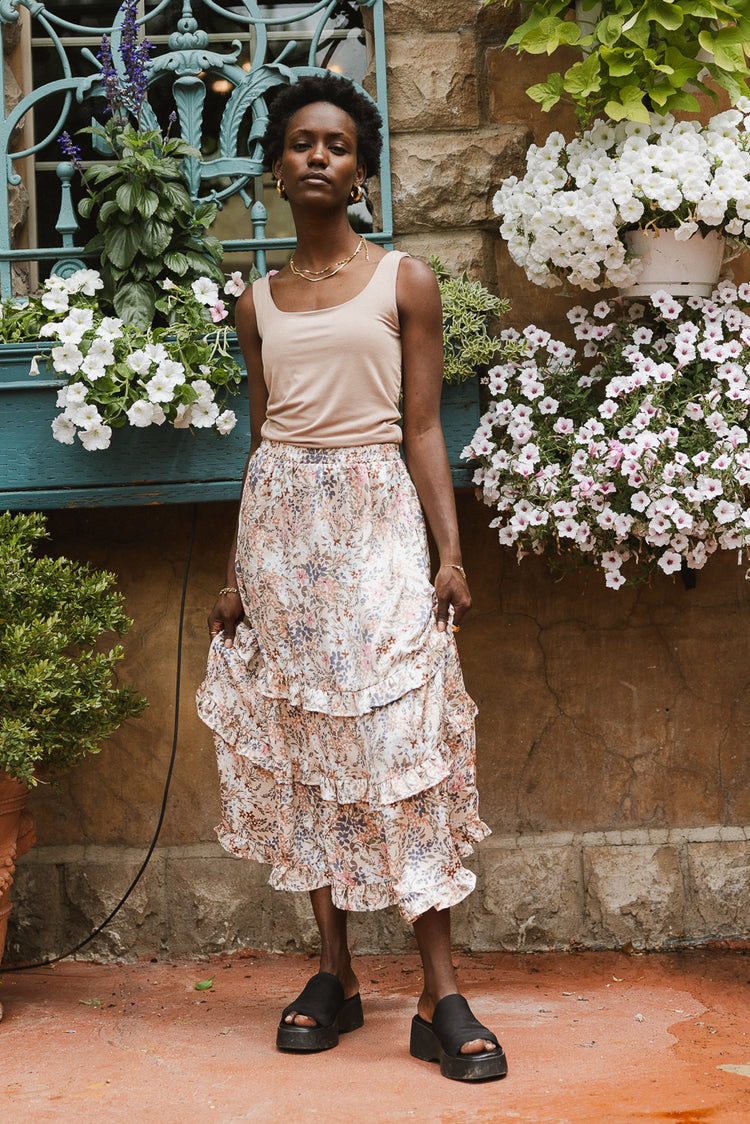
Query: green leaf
(122, 244)
(176, 263)
(134, 303)
(630, 107)
(205, 985)
(205, 213)
(638, 30)
(619, 63)
(127, 196)
(175, 194)
(726, 45)
(669, 15)
(106, 211)
(214, 247)
(609, 30)
(155, 237)
(86, 206)
(583, 78)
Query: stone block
(92, 889)
(633, 895)
(424, 15)
(11, 36)
(508, 75)
(431, 83)
(530, 897)
(35, 925)
(718, 890)
(458, 250)
(216, 903)
(448, 179)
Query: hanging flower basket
(687, 268)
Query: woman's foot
(426, 1010)
(349, 983)
(466, 1050)
(314, 1020)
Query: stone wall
(613, 726)
(18, 196)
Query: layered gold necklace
(329, 270)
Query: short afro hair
(337, 91)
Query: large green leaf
(584, 78)
(669, 15)
(547, 93)
(630, 107)
(134, 303)
(726, 45)
(122, 243)
(155, 237)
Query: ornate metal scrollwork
(187, 63)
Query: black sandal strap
(320, 999)
(455, 1025)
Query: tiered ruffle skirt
(343, 730)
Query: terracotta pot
(684, 269)
(16, 837)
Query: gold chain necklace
(313, 275)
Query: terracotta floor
(604, 1038)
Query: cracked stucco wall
(613, 726)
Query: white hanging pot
(685, 269)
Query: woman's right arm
(228, 608)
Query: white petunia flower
(63, 430)
(226, 422)
(139, 362)
(97, 436)
(205, 290)
(67, 359)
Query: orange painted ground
(591, 1038)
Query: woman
(343, 729)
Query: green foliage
(57, 698)
(148, 229)
(637, 55)
(467, 305)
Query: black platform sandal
(321, 999)
(452, 1026)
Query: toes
(478, 1046)
(300, 1020)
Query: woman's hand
(224, 617)
(451, 588)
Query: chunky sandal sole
(426, 1046)
(310, 1039)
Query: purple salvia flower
(71, 150)
(110, 79)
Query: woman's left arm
(421, 319)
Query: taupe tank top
(333, 374)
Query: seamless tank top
(333, 374)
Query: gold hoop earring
(356, 193)
(280, 189)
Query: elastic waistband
(339, 455)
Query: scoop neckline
(328, 307)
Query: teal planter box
(459, 417)
(158, 464)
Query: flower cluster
(123, 96)
(117, 374)
(630, 451)
(565, 219)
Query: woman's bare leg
(334, 947)
(433, 933)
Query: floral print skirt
(343, 730)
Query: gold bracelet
(228, 589)
(460, 569)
